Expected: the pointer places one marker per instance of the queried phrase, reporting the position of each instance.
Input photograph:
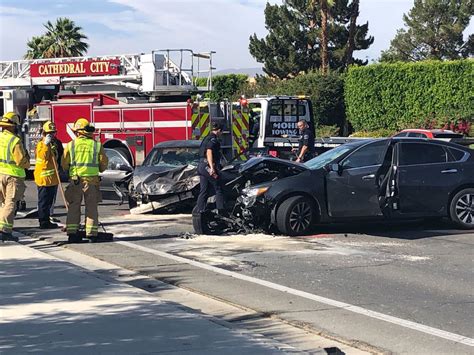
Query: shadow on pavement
(178, 220)
(156, 237)
(409, 230)
(48, 306)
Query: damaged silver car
(167, 178)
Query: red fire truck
(134, 101)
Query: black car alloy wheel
(462, 209)
(300, 217)
(295, 216)
(465, 208)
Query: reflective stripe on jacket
(8, 166)
(44, 169)
(84, 157)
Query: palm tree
(325, 5)
(36, 47)
(65, 39)
(352, 32)
(62, 39)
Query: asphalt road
(403, 288)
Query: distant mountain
(252, 72)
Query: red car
(428, 133)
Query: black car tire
(461, 209)
(206, 223)
(295, 216)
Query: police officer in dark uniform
(208, 169)
(305, 142)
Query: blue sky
(136, 26)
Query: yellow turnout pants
(74, 193)
(12, 190)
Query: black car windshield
(327, 157)
(173, 157)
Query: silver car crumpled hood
(159, 180)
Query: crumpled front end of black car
(247, 207)
(254, 208)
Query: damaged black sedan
(397, 178)
(167, 178)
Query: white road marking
(356, 309)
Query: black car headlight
(250, 194)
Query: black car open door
(353, 188)
(388, 197)
(422, 179)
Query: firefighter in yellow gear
(46, 176)
(13, 161)
(84, 158)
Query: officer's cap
(217, 125)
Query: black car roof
(430, 141)
(364, 141)
(190, 143)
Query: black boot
(8, 237)
(48, 225)
(74, 238)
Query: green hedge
(378, 133)
(429, 94)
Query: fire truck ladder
(169, 71)
(17, 73)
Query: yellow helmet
(83, 124)
(49, 127)
(10, 119)
(80, 124)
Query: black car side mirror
(336, 168)
(228, 167)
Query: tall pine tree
(434, 30)
(293, 44)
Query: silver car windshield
(173, 157)
(327, 157)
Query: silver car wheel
(465, 208)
